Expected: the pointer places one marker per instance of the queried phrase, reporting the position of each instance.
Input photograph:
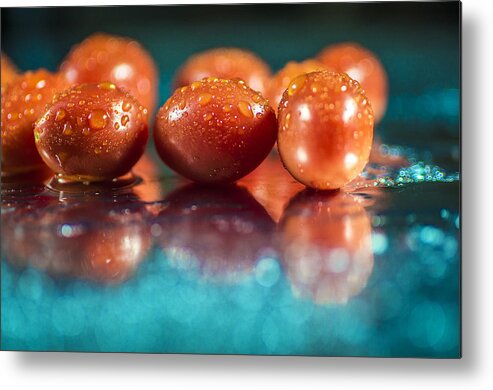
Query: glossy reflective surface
(262, 266)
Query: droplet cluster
(92, 132)
(281, 80)
(325, 129)
(363, 66)
(215, 130)
(23, 102)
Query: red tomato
(325, 244)
(23, 102)
(325, 129)
(215, 130)
(225, 63)
(92, 132)
(363, 66)
(122, 61)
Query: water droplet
(207, 116)
(97, 119)
(245, 109)
(296, 84)
(126, 106)
(86, 131)
(344, 88)
(205, 98)
(227, 107)
(182, 104)
(195, 85)
(82, 102)
(41, 84)
(125, 120)
(106, 85)
(60, 114)
(67, 129)
(116, 125)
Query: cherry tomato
(291, 70)
(225, 63)
(9, 70)
(215, 130)
(325, 129)
(120, 60)
(363, 66)
(23, 102)
(325, 244)
(92, 132)
(220, 231)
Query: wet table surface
(260, 267)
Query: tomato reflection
(272, 186)
(221, 231)
(97, 241)
(325, 246)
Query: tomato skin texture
(120, 60)
(325, 246)
(325, 129)
(92, 132)
(9, 70)
(225, 63)
(280, 81)
(363, 66)
(215, 130)
(23, 102)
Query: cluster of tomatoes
(89, 121)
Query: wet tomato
(215, 130)
(119, 60)
(291, 70)
(325, 246)
(325, 129)
(226, 63)
(363, 66)
(92, 132)
(9, 70)
(23, 102)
